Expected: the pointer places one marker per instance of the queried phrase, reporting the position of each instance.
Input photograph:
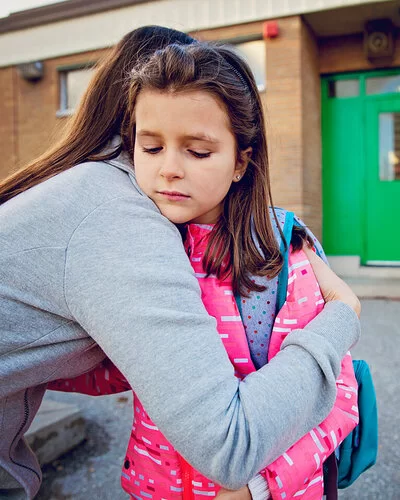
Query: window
(255, 55)
(389, 146)
(383, 85)
(73, 83)
(344, 88)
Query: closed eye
(196, 154)
(151, 151)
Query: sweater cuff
(258, 487)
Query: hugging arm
(141, 303)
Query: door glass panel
(389, 146)
(383, 85)
(344, 88)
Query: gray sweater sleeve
(130, 285)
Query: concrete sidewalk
(57, 428)
(373, 282)
(375, 288)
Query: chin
(176, 219)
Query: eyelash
(151, 151)
(154, 151)
(199, 155)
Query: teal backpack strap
(238, 300)
(258, 309)
(318, 247)
(283, 275)
(286, 221)
(291, 221)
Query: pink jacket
(153, 469)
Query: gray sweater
(89, 266)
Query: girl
(83, 275)
(195, 130)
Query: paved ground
(92, 469)
(380, 346)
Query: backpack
(358, 451)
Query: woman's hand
(242, 494)
(332, 287)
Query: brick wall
(28, 120)
(8, 134)
(311, 132)
(346, 53)
(293, 114)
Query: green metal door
(382, 128)
(342, 165)
(361, 166)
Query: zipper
(21, 427)
(187, 477)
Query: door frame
(374, 187)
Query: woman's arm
(129, 284)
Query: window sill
(62, 113)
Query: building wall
(311, 131)
(8, 133)
(102, 29)
(293, 120)
(28, 121)
(346, 53)
(284, 108)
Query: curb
(56, 429)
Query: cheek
(142, 172)
(215, 189)
(136, 161)
(140, 160)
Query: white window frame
(63, 71)
(245, 39)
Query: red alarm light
(270, 29)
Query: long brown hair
(242, 243)
(100, 113)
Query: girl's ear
(242, 164)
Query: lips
(174, 195)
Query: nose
(172, 167)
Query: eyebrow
(147, 133)
(191, 137)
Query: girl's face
(185, 154)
